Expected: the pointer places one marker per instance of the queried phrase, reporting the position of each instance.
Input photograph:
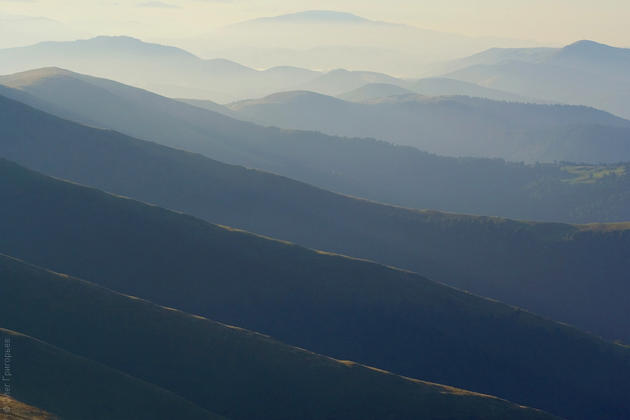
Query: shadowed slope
(70, 386)
(238, 373)
(345, 308)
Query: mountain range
(175, 72)
(365, 168)
(453, 126)
(430, 86)
(583, 73)
(367, 44)
(496, 55)
(316, 215)
(428, 242)
(333, 305)
(165, 69)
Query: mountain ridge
(333, 305)
(38, 365)
(216, 369)
(313, 16)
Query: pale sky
(552, 22)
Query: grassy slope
(70, 386)
(560, 271)
(16, 410)
(366, 168)
(345, 308)
(235, 372)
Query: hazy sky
(547, 21)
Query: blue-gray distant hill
(328, 39)
(341, 307)
(311, 16)
(497, 55)
(583, 73)
(175, 72)
(372, 91)
(430, 86)
(168, 70)
(454, 125)
(443, 86)
(339, 81)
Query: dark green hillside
(545, 268)
(341, 307)
(238, 373)
(360, 167)
(69, 386)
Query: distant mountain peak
(288, 97)
(100, 39)
(18, 80)
(339, 71)
(117, 38)
(586, 43)
(45, 71)
(593, 50)
(314, 16)
(118, 42)
(588, 46)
